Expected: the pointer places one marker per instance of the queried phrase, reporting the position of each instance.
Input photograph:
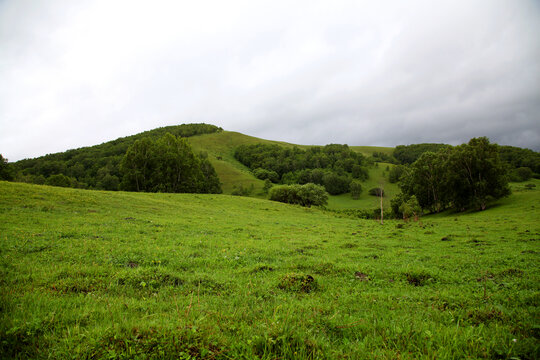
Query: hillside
(97, 167)
(93, 274)
(220, 149)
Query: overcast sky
(79, 73)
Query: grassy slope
(220, 148)
(369, 150)
(104, 274)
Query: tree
(410, 208)
(476, 174)
(61, 180)
(335, 184)
(167, 165)
(395, 173)
(427, 180)
(6, 172)
(137, 166)
(356, 189)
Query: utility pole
(381, 194)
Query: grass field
(91, 274)
(378, 176)
(220, 148)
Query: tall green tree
(167, 164)
(138, 165)
(427, 180)
(476, 174)
(6, 172)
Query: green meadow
(95, 274)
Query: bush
(61, 180)
(521, 174)
(242, 191)
(305, 195)
(376, 192)
(336, 184)
(264, 174)
(395, 173)
(356, 189)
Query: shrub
(521, 174)
(336, 184)
(395, 173)
(61, 180)
(356, 189)
(264, 174)
(305, 195)
(376, 192)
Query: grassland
(91, 274)
(378, 176)
(220, 148)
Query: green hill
(220, 148)
(96, 274)
(97, 167)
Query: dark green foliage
(332, 165)
(517, 157)
(376, 191)
(463, 177)
(267, 186)
(396, 204)
(336, 184)
(382, 157)
(264, 174)
(6, 172)
(521, 174)
(428, 179)
(407, 154)
(305, 195)
(61, 180)
(98, 167)
(356, 189)
(395, 173)
(410, 208)
(476, 175)
(166, 165)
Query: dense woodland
(99, 167)
(463, 177)
(333, 166)
(521, 164)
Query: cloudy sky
(78, 73)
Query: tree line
(332, 166)
(463, 177)
(101, 166)
(522, 164)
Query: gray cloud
(313, 72)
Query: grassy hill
(220, 148)
(94, 166)
(95, 274)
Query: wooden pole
(381, 194)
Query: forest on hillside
(100, 166)
(333, 166)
